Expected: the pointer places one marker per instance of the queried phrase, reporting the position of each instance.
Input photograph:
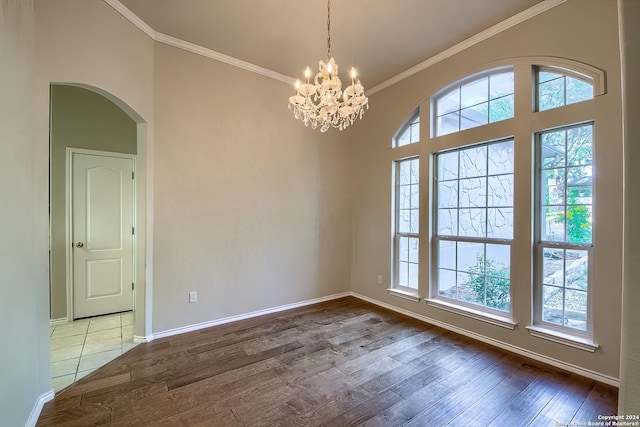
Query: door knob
(79, 245)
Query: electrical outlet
(193, 297)
(379, 280)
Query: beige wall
(547, 34)
(84, 119)
(24, 354)
(251, 208)
(629, 399)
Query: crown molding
(194, 48)
(471, 41)
(132, 17)
(212, 54)
(221, 57)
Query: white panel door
(102, 204)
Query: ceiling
(381, 38)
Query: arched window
(474, 101)
(557, 87)
(409, 132)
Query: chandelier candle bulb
(324, 103)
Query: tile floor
(80, 347)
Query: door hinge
(133, 230)
(132, 286)
(133, 175)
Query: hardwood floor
(343, 362)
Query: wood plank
(91, 383)
(329, 406)
(571, 395)
(423, 399)
(489, 406)
(471, 382)
(216, 366)
(204, 415)
(602, 400)
(365, 410)
(79, 416)
(342, 362)
(326, 383)
(426, 373)
(120, 395)
(152, 409)
(214, 392)
(162, 367)
(528, 404)
(385, 348)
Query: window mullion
(471, 239)
(564, 287)
(486, 200)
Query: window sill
(404, 294)
(561, 338)
(503, 322)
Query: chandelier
(322, 102)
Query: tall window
(407, 218)
(474, 225)
(564, 191)
(487, 99)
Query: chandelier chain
(328, 28)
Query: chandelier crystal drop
(321, 102)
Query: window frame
(564, 73)
(476, 310)
(411, 121)
(458, 85)
(539, 245)
(397, 235)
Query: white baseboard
(606, 379)
(142, 339)
(59, 321)
(190, 328)
(37, 408)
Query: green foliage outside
(571, 169)
(578, 224)
(490, 283)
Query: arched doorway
(86, 120)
